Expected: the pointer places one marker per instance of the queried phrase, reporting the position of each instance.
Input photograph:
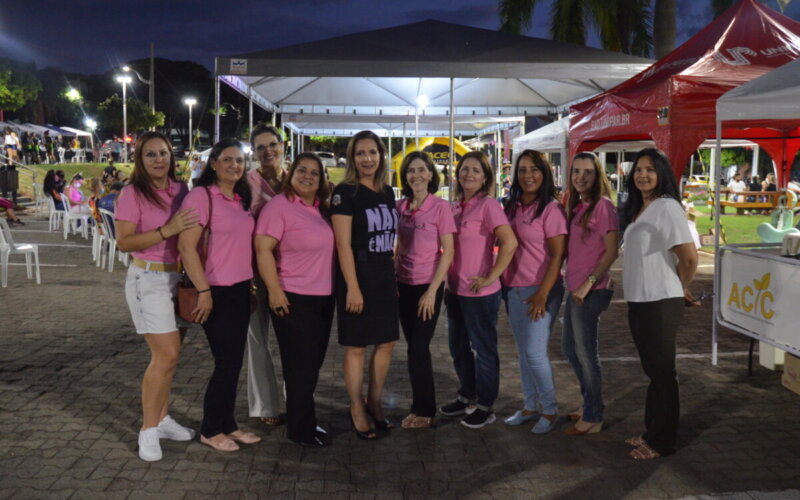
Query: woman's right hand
(279, 303)
(204, 306)
(355, 301)
(181, 221)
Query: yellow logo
(745, 301)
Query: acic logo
(756, 306)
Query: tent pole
(404, 140)
(250, 108)
(756, 154)
(716, 170)
(452, 155)
(274, 112)
(620, 170)
(216, 108)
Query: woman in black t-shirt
(364, 223)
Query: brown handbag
(187, 293)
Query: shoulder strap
(207, 228)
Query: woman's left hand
(478, 282)
(537, 305)
(279, 303)
(581, 292)
(426, 306)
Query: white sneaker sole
(489, 420)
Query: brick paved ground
(70, 367)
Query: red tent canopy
(673, 101)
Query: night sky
(94, 36)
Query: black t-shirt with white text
(374, 216)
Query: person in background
(660, 261)
(148, 223)
(223, 284)
(364, 224)
(296, 258)
(591, 249)
(532, 282)
(424, 254)
(51, 188)
(737, 185)
(196, 168)
(755, 185)
(265, 183)
(78, 203)
(11, 216)
(473, 290)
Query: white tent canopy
(79, 133)
(461, 71)
(773, 96)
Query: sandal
(406, 422)
(224, 444)
(272, 421)
(644, 452)
(419, 422)
(636, 441)
(244, 437)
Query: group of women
(381, 265)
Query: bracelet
(203, 291)
(160, 233)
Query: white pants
(262, 386)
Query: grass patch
(88, 170)
(737, 228)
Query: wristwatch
(592, 279)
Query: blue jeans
(579, 341)
(538, 387)
(472, 326)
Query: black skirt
(378, 322)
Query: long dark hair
(600, 187)
(49, 184)
(433, 184)
(323, 191)
(209, 175)
(139, 178)
(667, 186)
(546, 193)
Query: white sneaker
(170, 429)
(149, 448)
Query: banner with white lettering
(761, 295)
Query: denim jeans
(532, 337)
(472, 326)
(579, 342)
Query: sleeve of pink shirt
(605, 217)
(128, 206)
(198, 200)
(270, 220)
(493, 215)
(554, 220)
(445, 220)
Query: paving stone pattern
(71, 365)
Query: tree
(18, 86)
(623, 25)
(664, 27)
(140, 117)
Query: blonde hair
(351, 174)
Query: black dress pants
(303, 340)
(418, 334)
(654, 326)
(226, 331)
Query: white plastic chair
(71, 220)
(56, 216)
(109, 248)
(98, 240)
(41, 201)
(8, 247)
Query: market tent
(74, 131)
(673, 102)
(60, 131)
(382, 73)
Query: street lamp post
(190, 101)
(149, 83)
(124, 80)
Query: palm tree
(664, 26)
(623, 25)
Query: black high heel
(367, 435)
(383, 425)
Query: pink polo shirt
(133, 207)
(419, 234)
(530, 261)
(585, 248)
(260, 190)
(305, 254)
(230, 244)
(476, 221)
